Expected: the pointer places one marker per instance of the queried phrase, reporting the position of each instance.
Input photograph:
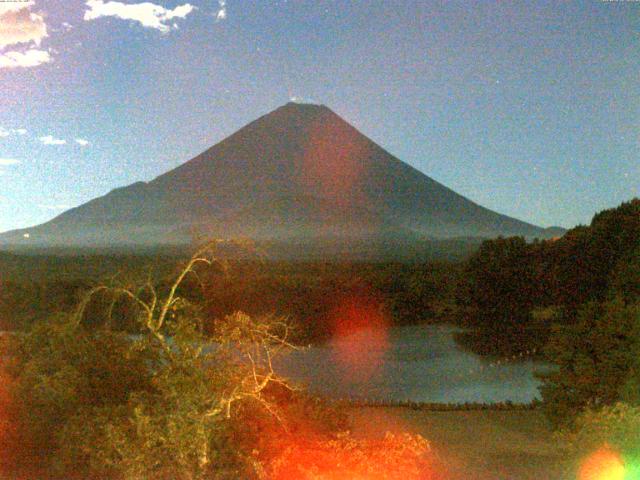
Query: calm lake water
(414, 363)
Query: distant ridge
(298, 172)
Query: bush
(611, 435)
(617, 426)
(63, 374)
(101, 403)
(597, 357)
(405, 457)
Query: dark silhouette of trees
(512, 290)
(596, 358)
(497, 293)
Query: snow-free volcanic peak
(300, 171)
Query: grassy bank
(476, 444)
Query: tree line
(576, 299)
(137, 381)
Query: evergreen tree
(595, 358)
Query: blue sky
(529, 108)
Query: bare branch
(197, 258)
(84, 303)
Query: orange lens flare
(604, 464)
(333, 163)
(405, 457)
(360, 334)
(5, 420)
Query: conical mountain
(299, 171)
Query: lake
(411, 363)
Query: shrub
(596, 358)
(611, 435)
(405, 457)
(101, 403)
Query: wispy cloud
(300, 99)
(6, 162)
(222, 11)
(30, 58)
(50, 140)
(15, 131)
(147, 14)
(82, 142)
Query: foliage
(625, 278)
(393, 457)
(309, 293)
(99, 402)
(35, 285)
(304, 292)
(579, 294)
(584, 259)
(605, 439)
(508, 279)
(596, 358)
(61, 371)
(497, 293)
(616, 425)
(23, 303)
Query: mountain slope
(300, 170)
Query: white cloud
(222, 11)
(5, 162)
(50, 140)
(301, 99)
(17, 131)
(6, 7)
(30, 58)
(181, 11)
(147, 14)
(18, 24)
(82, 142)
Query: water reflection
(421, 364)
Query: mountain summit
(300, 171)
